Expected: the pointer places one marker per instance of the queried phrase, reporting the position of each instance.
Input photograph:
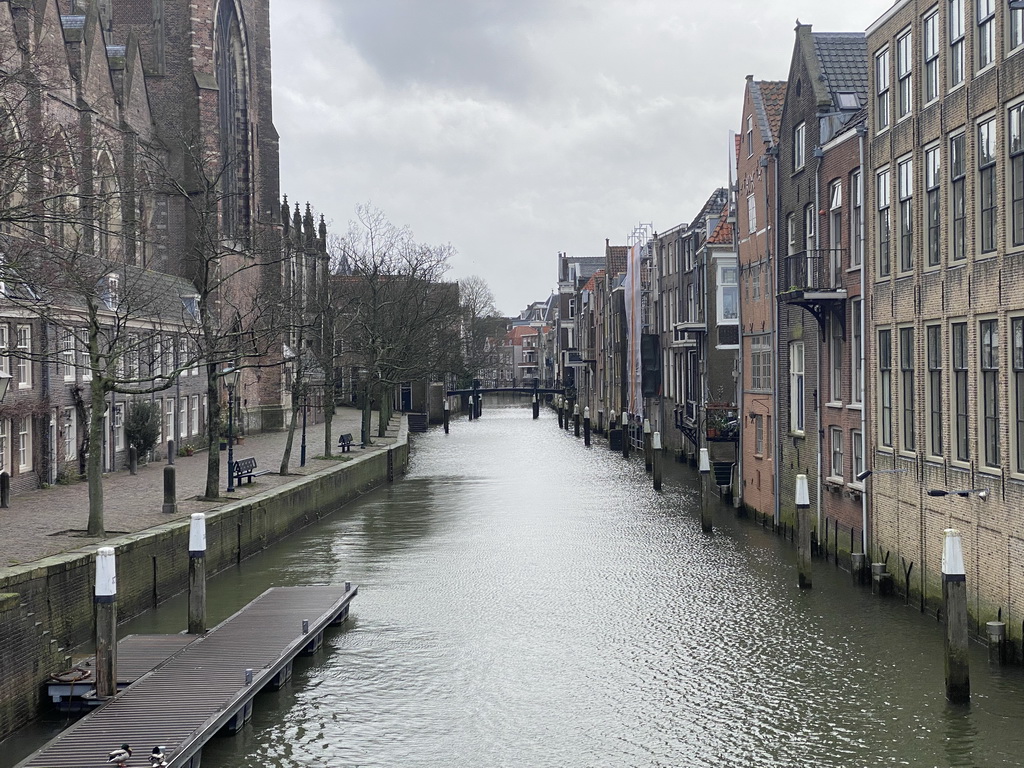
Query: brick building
(946, 316)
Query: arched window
(232, 82)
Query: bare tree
(482, 328)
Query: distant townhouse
(820, 418)
(946, 270)
(757, 249)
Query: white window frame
(69, 424)
(752, 214)
(24, 368)
(930, 47)
(883, 116)
(799, 146)
(904, 75)
(957, 41)
(25, 445)
(985, 33)
(797, 384)
(838, 457)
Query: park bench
(345, 442)
(247, 468)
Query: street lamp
(981, 493)
(303, 384)
(231, 376)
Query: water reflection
(526, 601)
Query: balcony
(814, 280)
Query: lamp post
(305, 401)
(231, 376)
(5, 478)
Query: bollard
(105, 603)
(704, 467)
(996, 631)
(954, 602)
(472, 408)
(656, 460)
(881, 580)
(858, 561)
(170, 494)
(170, 451)
(625, 437)
(600, 421)
(576, 420)
(586, 426)
(197, 575)
(479, 405)
(559, 408)
(536, 407)
(647, 445)
(447, 413)
(133, 460)
(803, 529)
(5, 490)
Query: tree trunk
(367, 411)
(212, 433)
(386, 393)
(328, 416)
(94, 462)
(286, 458)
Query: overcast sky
(515, 129)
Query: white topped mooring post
(648, 461)
(576, 419)
(536, 406)
(105, 601)
(197, 575)
(704, 467)
(560, 407)
(803, 532)
(954, 599)
(447, 414)
(586, 426)
(656, 460)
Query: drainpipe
(773, 250)
(737, 496)
(819, 153)
(862, 131)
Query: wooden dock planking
(184, 702)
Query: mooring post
(170, 493)
(586, 426)
(5, 490)
(647, 445)
(479, 405)
(954, 599)
(536, 406)
(197, 575)
(133, 460)
(656, 460)
(996, 631)
(570, 407)
(558, 407)
(447, 414)
(803, 529)
(472, 408)
(576, 419)
(170, 451)
(625, 436)
(105, 601)
(704, 467)
(858, 566)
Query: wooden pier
(206, 686)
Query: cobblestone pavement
(53, 520)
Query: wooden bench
(247, 468)
(345, 442)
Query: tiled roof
(843, 58)
(592, 282)
(723, 232)
(768, 97)
(616, 257)
(718, 198)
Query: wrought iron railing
(817, 270)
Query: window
(799, 146)
(796, 386)
(793, 235)
(728, 294)
(857, 351)
(67, 355)
(1017, 340)
(885, 387)
(196, 424)
(835, 233)
(4, 453)
(987, 185)
(907, 386)
(835, 354)
(836, 439)
(990, 390)
(25, 444)
(5, 358)
(931, 56)
(751, 214)
(961, 418)
(882, 185)
(986, 42)
(934, 381)
(1015, 37)
(119, 427)
(905, 189)
(68, 427)
(761, 364)
(1016, 173)
(759, 434)
(157, 360)
(755, 283)
(24, 372)
(932, 203)
(904, 85)
(956, 42)
(958, 197)
(856, 220)
(882, 89)
(750, 136)
(857, 444)
(809, 230)
(182, 417)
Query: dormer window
(191, 304)
(110, 291)
(848, 101)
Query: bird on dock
(157, 758)
(119, 756)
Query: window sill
(794, 433)
(835, 481)
(990, 471)
(855, 406)
(854, 268)
(855, 486)
(834, 404)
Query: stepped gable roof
(768, 97)
(843, 60)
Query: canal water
(525, 601)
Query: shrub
(142, 426)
